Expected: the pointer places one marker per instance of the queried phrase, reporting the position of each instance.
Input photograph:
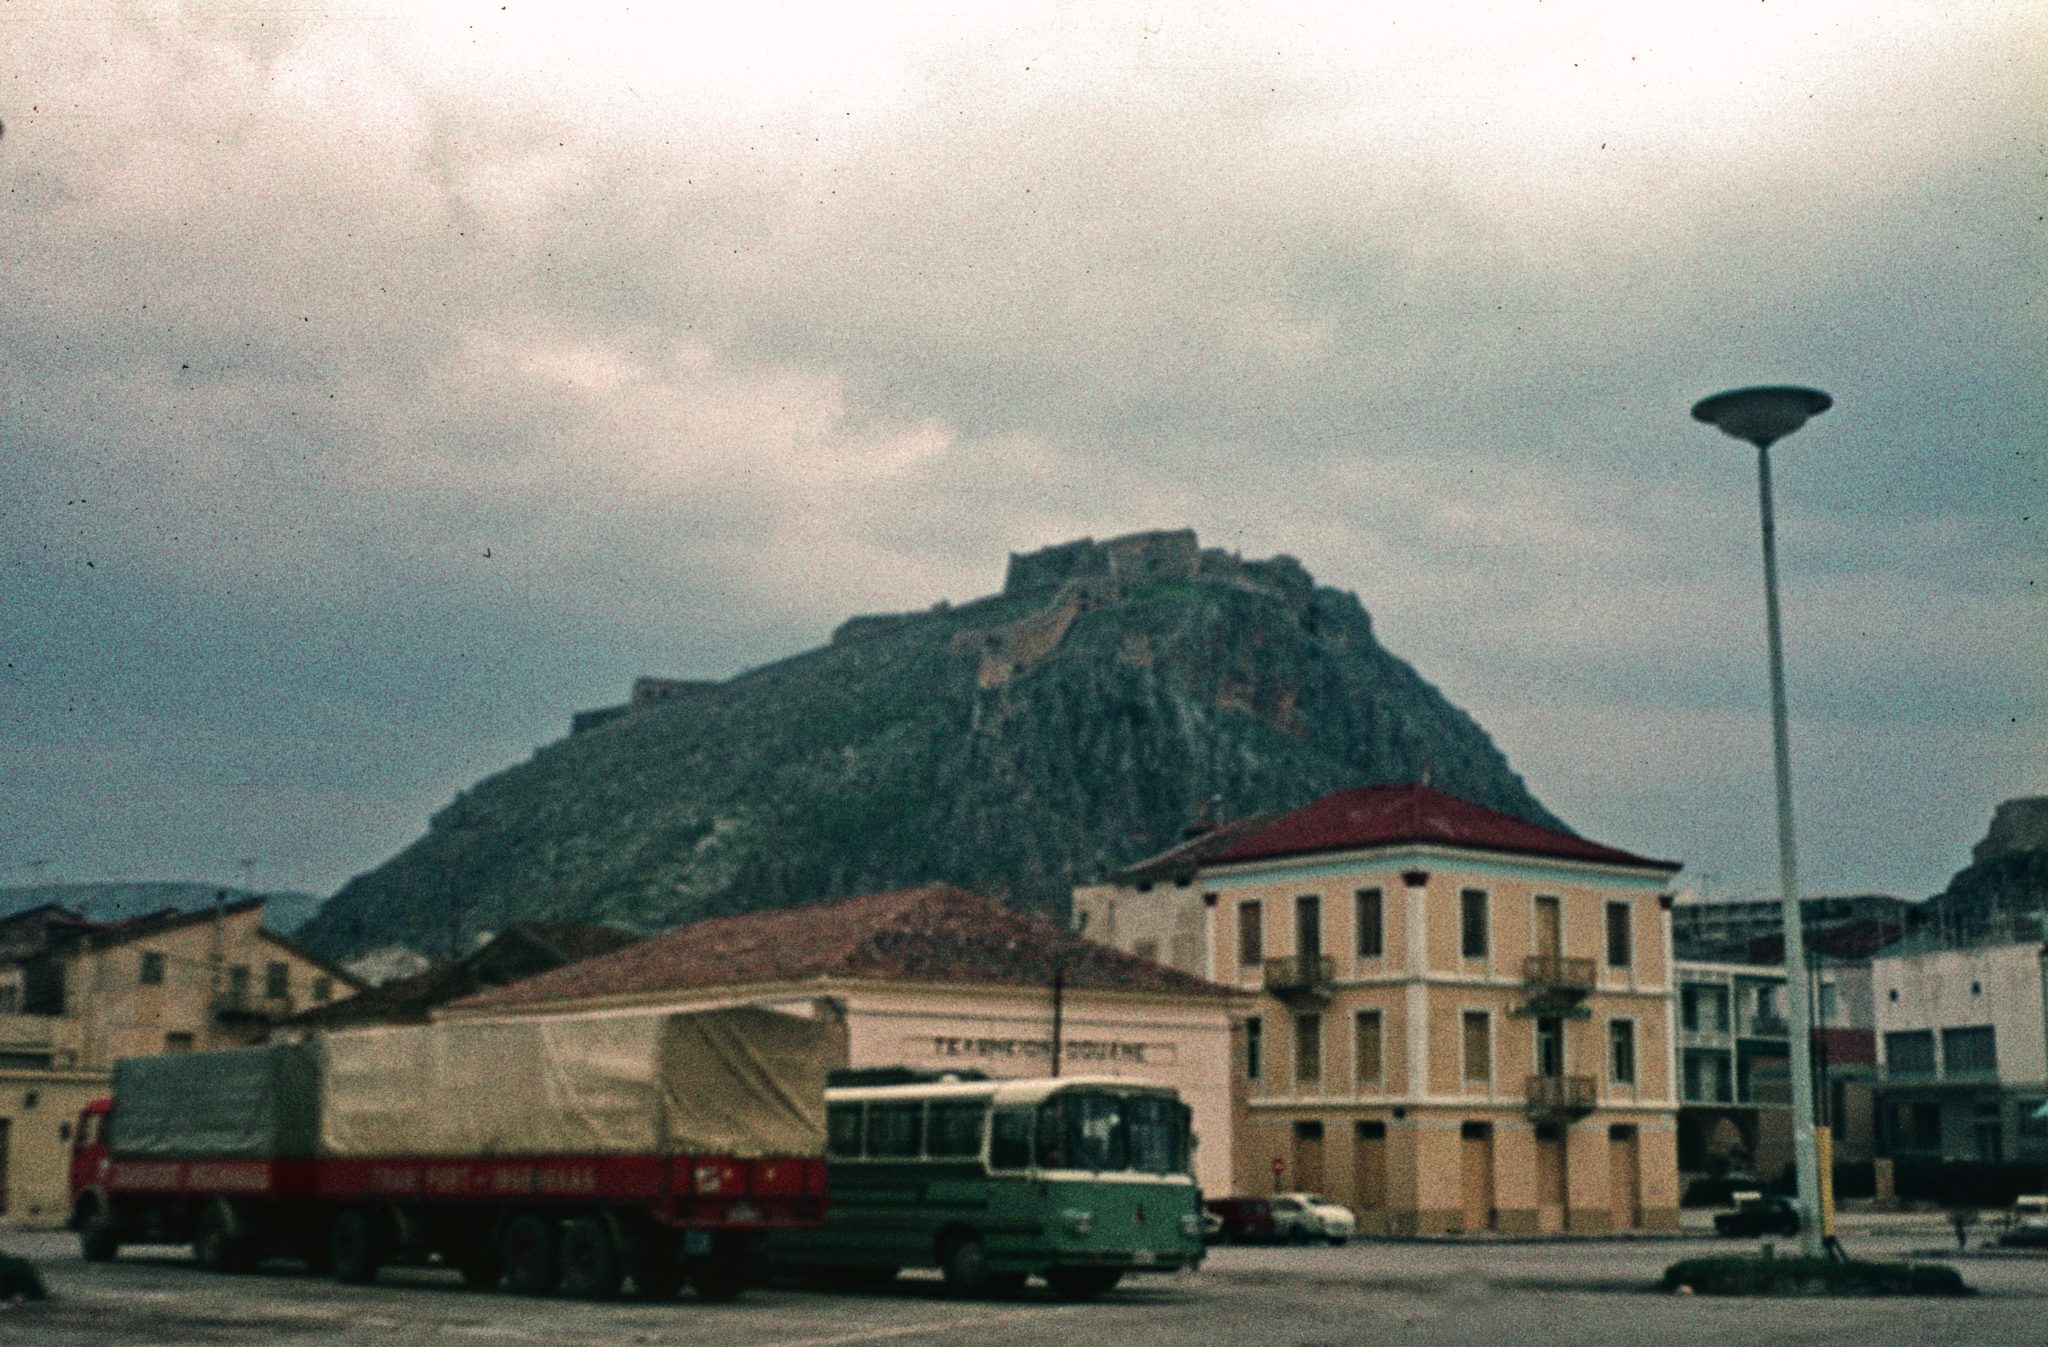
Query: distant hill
(1013, 745)
(282, 912)
(2003, 892)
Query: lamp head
(1764, 414)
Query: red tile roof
(932, 933)
(1384, 816)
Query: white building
(1962, 1040)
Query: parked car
(1758, 1214)
(1307, 1217)
(1242, 1220)
(2026, 1226)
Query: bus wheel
(533, 1264)
(965, 1265)
(99, 1241)
(1082, 1283)
(354, 1252)
(591, 1266)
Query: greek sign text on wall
(1031, 1056)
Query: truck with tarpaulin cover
(580, 1154)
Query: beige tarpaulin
(741, 1081)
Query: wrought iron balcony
(1553, 984)
(1301, 978)
(1554, 1099)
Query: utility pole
(1059, 997)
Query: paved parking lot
(1586, 1295)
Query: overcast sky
(377, 390)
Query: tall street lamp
(1764, 416)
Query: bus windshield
(1098, 1130)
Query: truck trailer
(574, 1155)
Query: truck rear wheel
(591, 1266)
(533, 1264)
(355, 1249)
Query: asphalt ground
(1587, 1294)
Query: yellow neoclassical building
(77, 994)
(1464, 1020)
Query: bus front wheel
(1082, 1283)
(965, 1265)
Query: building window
(1717, 1007)
(10, 999)
(1620, 939)
(1689, 1008)
(1549, 1045)
(1366, 1028)
(1478, 1047)
(238, 982)
(1254, 1048)
(1969, 1052)
(152, 971)
(1621, 1052)
(1308, 926)
(277, 981)
(1828, 1003)
(1308, 1049)
(1251, 940)
(1910, 1053)
(1372, 935)
(323, 990)
(1472, 910)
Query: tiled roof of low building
(1385, 816)
(931, 933)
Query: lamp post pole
(1762, 416)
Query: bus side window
(1009, 1139)
(896, 1131)
(843, 1131)
(955, 1129)
(1054, 1145)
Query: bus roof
(1028, 1091)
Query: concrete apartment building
(1734, 1066)
(1963, 1053)
(1464, 1021)
(77, 994)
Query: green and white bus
(1077, 1180)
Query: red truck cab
(89, 1164)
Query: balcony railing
(1767, 1026)
(1560, 1098)
(1554, 983)
(1298, 977)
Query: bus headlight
(1079, 1222)
(1191, 1226)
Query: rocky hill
(2003, 893)
(1068, 725)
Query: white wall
(1999, 985)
